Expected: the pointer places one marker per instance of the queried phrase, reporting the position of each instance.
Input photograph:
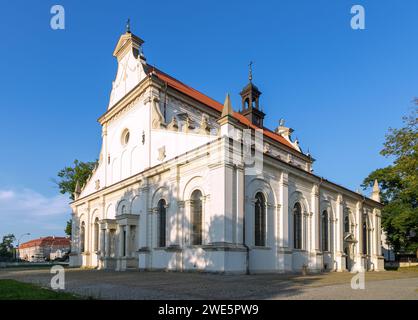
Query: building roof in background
(46, 241)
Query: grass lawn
(15, 290)
(408, 269)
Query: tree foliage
(6, 246)
(68, 177)
(399, 185)
(68, 227)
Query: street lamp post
(18, 245)
(51, 248)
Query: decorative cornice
(131, 98)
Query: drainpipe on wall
(247, 249)
(319, 238)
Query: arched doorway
(349, 241)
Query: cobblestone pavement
(169, 285)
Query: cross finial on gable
(128, 25)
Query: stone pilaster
(128, 241)
(107, 243)
(339, 236)
(316, 257)
(284, 251)
(240, 199)
(143, 243)
(358, 255)
(316, 216)
(378, 259)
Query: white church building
(184, 183)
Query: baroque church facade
(184, 183)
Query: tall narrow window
(96, 234)
(82, 236)
(260, 220)
(347, 223)
(161, 223)
(196, 217)
(365, 240)
(325, 233)
(124, 241)
(297, 226)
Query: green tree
(399, 185)
(68, 178)
(68, 227)
(6, 246)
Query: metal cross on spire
(128, 25)
(250, 71)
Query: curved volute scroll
(157, 116)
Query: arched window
(123, 210)
(82, 236)
(96, 234)
(247, 103)
(297, 226)
(260, 220)
(325, 231)
(347, 222)
(365, 240)
(161, 223)
(196, 217)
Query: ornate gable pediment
(127, 41)
(131, 67)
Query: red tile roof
(193, 93)
(47, 241)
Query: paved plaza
(172, 285)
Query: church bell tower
(250, 96)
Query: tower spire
(77, 190)
(250, 101)
(376, 191)
(227, 109)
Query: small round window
(125, 137)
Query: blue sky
(340, 89)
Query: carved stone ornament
(267, 148)
(157, 117)
(204, 126)
(161, 153)
(173, 125)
